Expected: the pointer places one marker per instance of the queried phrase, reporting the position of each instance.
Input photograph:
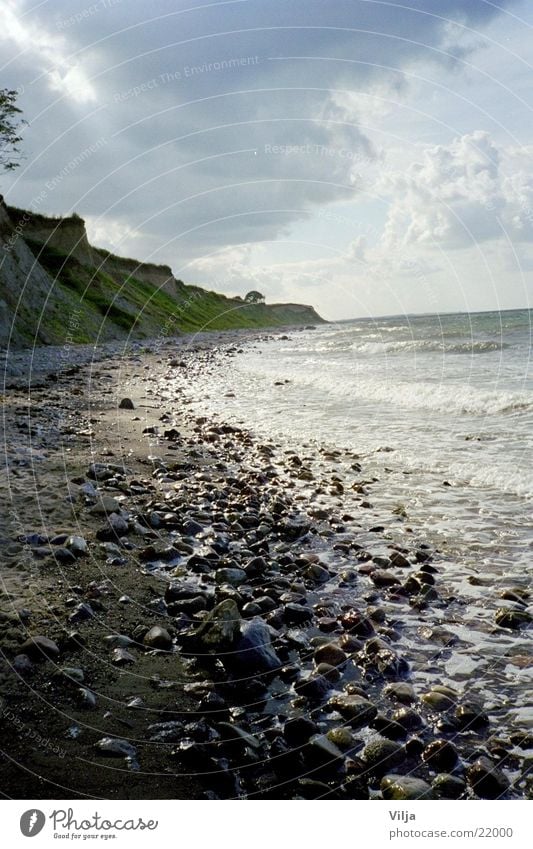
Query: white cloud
(460, 194)
(48, 52)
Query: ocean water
(439, 409)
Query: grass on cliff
(111, 308)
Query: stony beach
(193, 612)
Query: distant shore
(194, 612)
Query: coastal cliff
(55, 287)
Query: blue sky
(367, 157)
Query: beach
(197, 607)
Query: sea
(439, 409)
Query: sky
(367, 157)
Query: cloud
(461, 194)
(47, 52)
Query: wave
(451, 398)
(429, 346)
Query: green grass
(134, 305)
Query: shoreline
(258, 565)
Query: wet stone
(440, 755)
(405, 788)
(331, 654)
(400, 692)
(353, 708)
(438, 701)
(383, 578)
(230, 576)
(448, 786)
(381, 755)
(407, 718)
(514, 618)
(470, 716)
(486, 780)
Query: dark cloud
(214, 124)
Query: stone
(296, 614)
(252, 651)
(77, 545)
(342, 737)
(64, 555)
(298, 730)
(70, 673)
(383, 578)
(22, 664)
(331, 673)
(438, 701)
(400, 692)
(40, 647)
(399, 560)
(126, 404)
(121, 657)
(318, 574)
(313, 687)
(86, 698)
(440, 755)
(230, 576)
(81, 613)
(354, 709)
(158, 638)
(330, 653)
(407, 718)
(486, 780)
(220, 628)
(256, 567)
(192, 528)
(512, 617)
(115, 747)
(105, 504)
(448, 786)
(320, 750)
(405, 788)
(381, 755)
(470, 716)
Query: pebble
(440, 755)
(486, 780)
(448, 786)
(22, 664)
(78, 545)
(331, 654)
(126, 404)
(400, 692)
(105, 504)
(86, 698)
(407, 718)
(381, 754)
(230, 576)
(512, 617)
(122, 657)
(354, 709)
(438, 701)
(115, 747)
(158, 638)
(39, 647)
(405, 788)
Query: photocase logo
(32, 822)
